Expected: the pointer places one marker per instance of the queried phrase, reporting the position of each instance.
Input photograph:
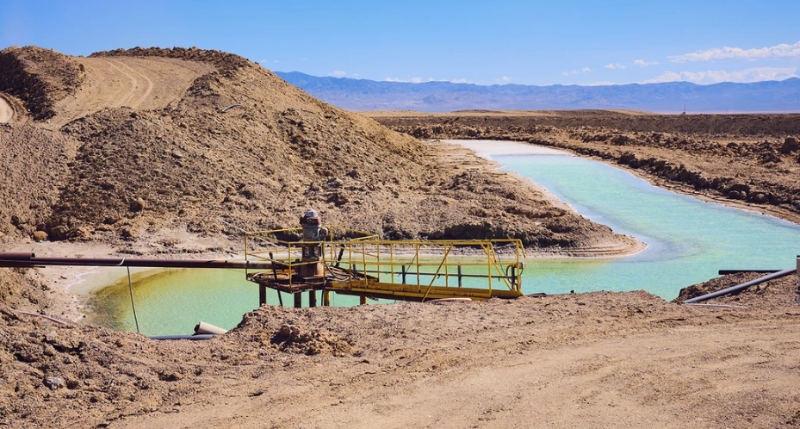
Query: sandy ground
(127, 82)
(6, 112)
(663, 378)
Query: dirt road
(675, 367)
(6, 112)
(128, 82)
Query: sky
(530, 42)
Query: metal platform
(354, 263)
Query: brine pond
(688, 241)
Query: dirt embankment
(591, 360)
(39, 77)
(747, 164)
(153, 150)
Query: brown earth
(590, 360)
(118, 174)
(145, 146)
(751, 160)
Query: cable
(133, 306)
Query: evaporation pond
(688, 241)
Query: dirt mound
(64, 375)
(774, 293)
(227, 64)
(33, 169)
(39, 77)
(181, 162)
(20, 289)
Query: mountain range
(671, 97)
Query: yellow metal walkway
(355, 263)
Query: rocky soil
(129, 167)
(744, 159)
(127, 164)
(594, 360)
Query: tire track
(6, 111)
(147, 92)
(134, 85)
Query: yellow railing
(367, 260)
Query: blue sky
(487, 42)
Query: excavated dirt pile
(570, 355)
(123, 172)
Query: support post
(797, 297)
(362, 300)
(312, 298)
(298, 300)
(262, 295)
(326, 298)
(459, 276)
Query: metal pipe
(196, 337)
(30, 260)
(742, 286)
(726, 272)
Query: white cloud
(600, 83)
(393, 79)
(338, 73)
(782, 50)
(574, 72)
(458, 81)
(615, 66)
(643, 63)
(416, 80)
(716, 76)
(503, 79)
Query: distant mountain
(362, 94)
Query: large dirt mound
(33, 168)
(143, 163)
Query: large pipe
(726, 272)
(196, 337)
(30, 260)
(742, 286)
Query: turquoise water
(173, 301)
(688, 241)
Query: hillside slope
(157, 150)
